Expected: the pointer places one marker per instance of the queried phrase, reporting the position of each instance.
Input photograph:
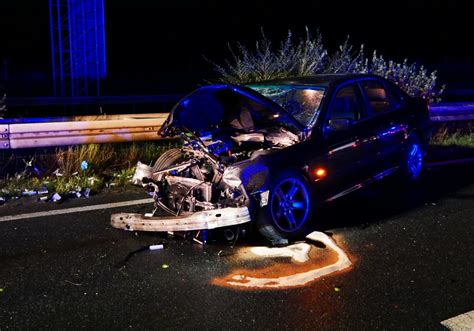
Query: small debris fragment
(164, 266)
(142, 171)
(57, 173)
(1, 290)
(28, 193)
(2, 200)
(156, 247)
(337, 289)
(56, 197)
(86, 192)
(43, 191)
(84, 165)
(44, 198)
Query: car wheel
(168, 158)
(289, 209)
(412, 159)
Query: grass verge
(76, 168)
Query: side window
(380, 101)
(394, 96)
(347, 104)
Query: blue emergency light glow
(78, 46)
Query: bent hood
(212, 106)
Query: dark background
(158, 46)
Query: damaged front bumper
(202, 220)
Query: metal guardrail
(452, 111)
(62, 131)
(81, 130)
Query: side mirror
(340, 124)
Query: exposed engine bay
(202, 180)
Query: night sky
(157, 47)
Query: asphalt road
(412, 254)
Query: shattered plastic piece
(84, 165)
(57, 173)
(43, 191)
(264, 198)
(86, 192)
(78, 194)
(44, 198)
(29, 193)
(156, 247)
(56, 197)
(141, 172)
(164, 266)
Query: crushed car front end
(221, 173)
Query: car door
(348, 139)
(388, 124)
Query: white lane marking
(75, 210)
(463, 322)
(298, 279)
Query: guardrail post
(4, 136)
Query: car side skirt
(363, 183)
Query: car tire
(168, 158)
(412, 159)
(290, 207)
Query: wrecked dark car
(273, 152)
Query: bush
(309, 57)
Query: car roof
(325, 80)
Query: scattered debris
(28, 193)
(84, 165)
(165, 266)
(57, 173)
(337, 289)
(141, 172)
(44, 198)
(156, 247)
(56, 197)
(72, 283)
(86, 192)
(2, 200)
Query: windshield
(300, 101)
(227, 108)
